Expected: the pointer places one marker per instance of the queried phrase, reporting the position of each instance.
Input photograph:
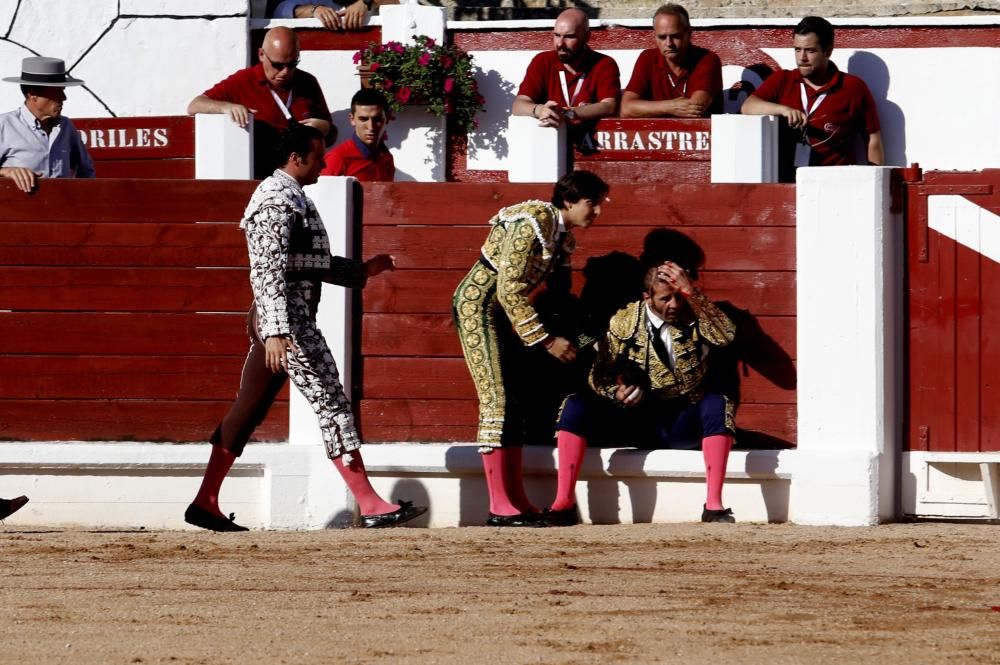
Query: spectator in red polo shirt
(826, 109)
(570, 83)
(269, 94)
(676, 79)
(364, 155)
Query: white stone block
(537, 154)
(744, 148)
(401, 22)
(223, 149)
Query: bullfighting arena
(664, 593)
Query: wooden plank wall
(415, 386)
(953, 353)
(140, 147)
(122, 310)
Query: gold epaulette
(543, 217)
(625, 321)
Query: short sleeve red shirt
(353, 158)
(847, 111)
(652, 80)
(599, 72)
(249, 87)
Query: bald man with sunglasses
(270, 94)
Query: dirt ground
(680, 593)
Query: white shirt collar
(653, 318)
(561, 225)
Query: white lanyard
(802, 148)
(673, 84)
(284, 106)
(570, 101)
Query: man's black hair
(369, 97)
(578, 185)
(671, 9)
(661, 245)
(819, 27)
(296, 139)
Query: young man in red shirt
(364, 155)
(570, 83)
(269, 94)
(826, 109)
(676, 79)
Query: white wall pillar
(744, 148)
(222, 149)
(537, 154)
(401, 22)
(848, 262)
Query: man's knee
(716, 417)
(573, 415)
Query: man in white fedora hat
(36, 140)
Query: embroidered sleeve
(604, 372)
(714, 326)
(268, 231)
(513, 285)
(346, 272)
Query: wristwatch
(570, 114)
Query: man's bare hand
(239, 114)
(276, 353)
(562, 349)
(550, 114)
(628, 394)
(682, 107)
(677, 277)
(796, 118)
(329, 17)
(24, 179)
(354, 15)
(379, 264)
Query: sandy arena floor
(685, 593)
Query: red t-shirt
(250, 88)
(847, 112)
(353, 158)
(599, 72)
(652, 80)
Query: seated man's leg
(578, 419)
(716, 413)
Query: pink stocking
(494, 463)
(715, 450)
(571, 450)
(219, 464)
(356, 477)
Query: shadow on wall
(875, 73)
(491, 135)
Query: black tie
(658, 345)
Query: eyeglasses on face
(280, 66)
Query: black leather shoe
(200, 517)
(531, 520)
(10, 506)
(406, 512)
(567, 517)
(724, 515)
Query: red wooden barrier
(666, 149)
(415, 386)
(953, 399)
(122, 310)
(142, 147)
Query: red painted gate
(953, 318)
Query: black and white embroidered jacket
(287, 243)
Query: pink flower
(395, 47)
(375, 66)
(430, 41)
(387, 84)
(446, 61)
(449, 83)
(403, 95)
(425, 59)
(357, 57)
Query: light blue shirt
(56, 154)
(286, 9)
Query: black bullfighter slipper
(567, 517)
(10, 506)
(724, 515)
(200, 517)
(530, 520)
(406, 512)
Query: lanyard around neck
(285, 106)
(570, 101)
(805, 100)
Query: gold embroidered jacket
(627, 351)
(523, 246)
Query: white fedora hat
(45, 72)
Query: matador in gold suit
(525, 244)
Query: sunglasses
(280, 66)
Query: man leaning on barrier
(36, 139)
